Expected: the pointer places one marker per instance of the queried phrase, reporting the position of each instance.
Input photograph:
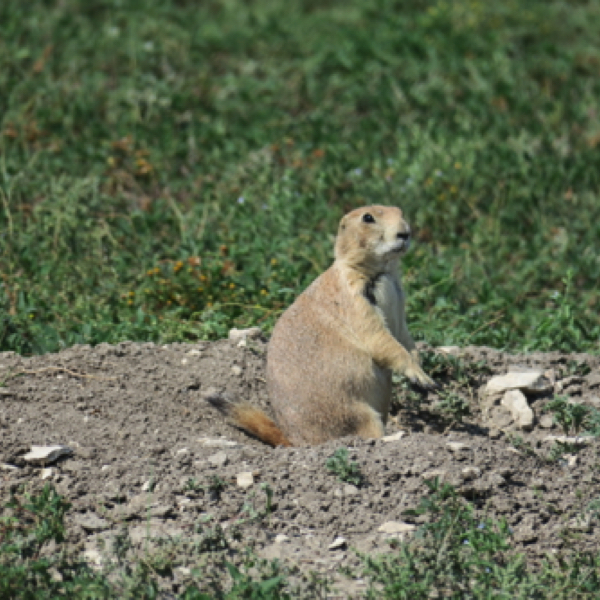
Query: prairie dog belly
(389, 302)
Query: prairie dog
(332, 352)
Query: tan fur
(332, 353)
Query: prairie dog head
(372, 238)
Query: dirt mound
(149, 452)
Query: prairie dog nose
(403, 235)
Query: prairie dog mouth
(399, 247)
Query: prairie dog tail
(250, 419)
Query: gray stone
(216, 442)
(547, 421)
(433, 473)
(218, 460)
(460, 450)
(350, 490)
(337, 544)
(454, 350)
(242, 334)
(93, 558)
(47, 454)
(517, 404)
(470, 473)
(571, 459)
(396, 527)
(394, 437)
(582, 440)
(7, 467)
(47, 473)
(532, 381)
(245, 479)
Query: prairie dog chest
(386, 297)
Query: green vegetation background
(170, 169)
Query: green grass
(454, 554)
(171, 169)
(35, 564)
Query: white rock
(338, 543)
(281, 538)
(394, 437)
(218, 460)
(46, 473)
(146, 485)
(184, 361)
(93, 558)
(47, 454)
(242, 334)
(532, 381)
(469, 473)
(182, 451)
(245, 479)
(350, 490)
(582, 440)
(439, 473)
(242, 344)
(547, 421)
(396, 527)
(455, 350)
(221, 443)
(7, 467)
(237, 371)
(458, 447)
(571, 459)
(194, 352)
(517, 404)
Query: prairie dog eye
(368, 218)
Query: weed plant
(171, 169)
(457, 555)
(346, 470)
(34, 564)
(574, 417)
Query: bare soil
(147, 447)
